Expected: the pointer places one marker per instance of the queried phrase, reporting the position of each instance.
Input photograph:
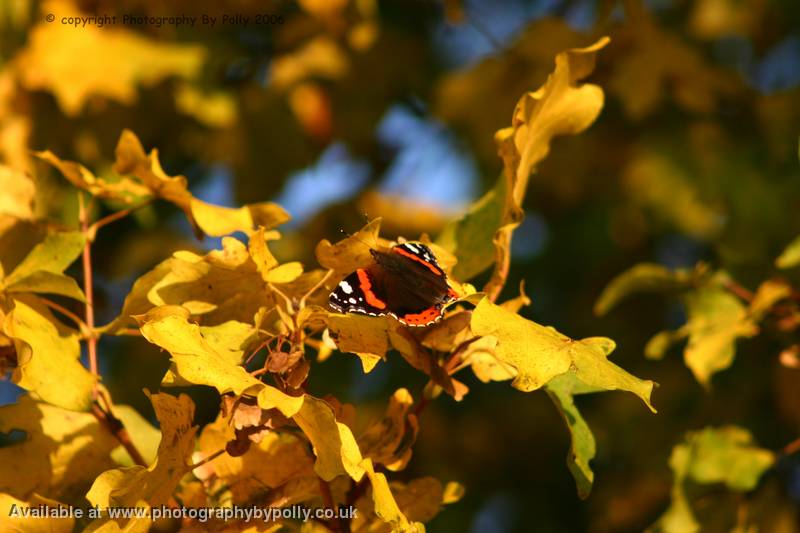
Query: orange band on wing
(424, 318)
(366, 288)
(418, 260)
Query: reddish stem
(327, 499)
(88, 289)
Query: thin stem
(88, 289)
(113, 217)
(423, 403)
(66, 312)
(319, 284)
(327, 499)
(129, 331)
(740, 291)
(207, 459)
(118, 430)
(792, 447)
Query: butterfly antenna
(359, 239)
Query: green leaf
(716, 320)
(582, 449)
(471, 237)
(727, 455)
(54, 254)
(644, 277)
(44, 282)
(724, 455)
(48, 355)
(790, 257)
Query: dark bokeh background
(391, 112)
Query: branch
(207, 459)
(69, 314)
(327, 499)
(117, 429)
(88, 289)
(91, 231)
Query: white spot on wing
(352, 300)
(346, 287)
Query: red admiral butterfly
(406, 283)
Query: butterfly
(406, 283)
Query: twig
(423, 403)
(740, 291)
(327, 499)
(207, 459)
(791, 448)
(319, 284)
(129, 331)
(113, 217)
(453, 361)
(118, 430)
(69, 314)
(88, 289)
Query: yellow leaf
(321, 57)
(336, 448)
(216, 110)
(46, 282)
(124, 190)
(212, 219)
(54, 254)
(48, 355)
(515, 304)
(144, 436)
(644, 277)
(560, 107)
(12, 509)
(267, 265)
(385, 505)
(18, 193)
(153, 486)
(76, 64)
(360, 334)
(194, 359)
(410, 348)
(660, 62)
(222, 285)
(767, 295)
(388, 441)
(541, 353)
(279, 463)
(480, 355)
(790, 257)
(657, 184)
(538, 353)
(63, 451)
(351, 252)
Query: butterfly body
(406, 282)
